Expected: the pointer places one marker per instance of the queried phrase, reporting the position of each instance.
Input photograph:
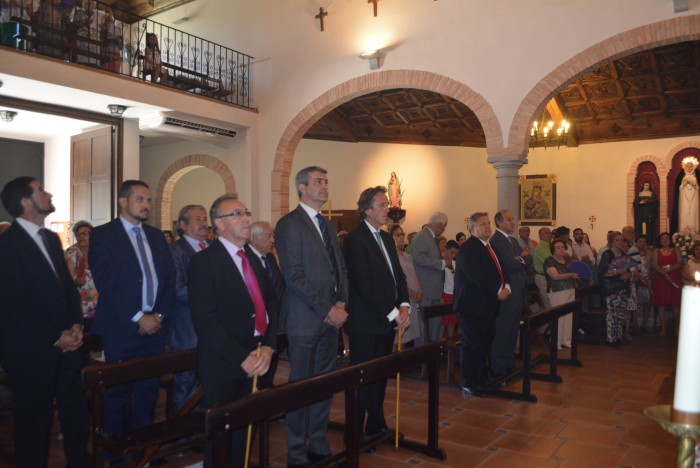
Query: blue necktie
(144, 265)
(329, 247)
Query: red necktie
(498, 266)
(251, 283)
(202, 245)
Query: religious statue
(688, 206)
(394, 191)
(646, 211)
(536, 207)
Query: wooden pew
(142, 444)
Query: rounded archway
(344, 92)
(175, 172)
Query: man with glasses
(134, 273)
(313, 308)
(234, 311)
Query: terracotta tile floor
(594, 418)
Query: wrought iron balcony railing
(94, 34)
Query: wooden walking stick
(250, 426)
(398, 387)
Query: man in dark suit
(134, 273)
(480, 284)
(313, 308)
(192, 224)
(515, 262)
(378, 295)
(233, 311)
(42, 330)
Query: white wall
(200, 187)
(591, 179)
(57, 176)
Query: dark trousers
(33, 391)
(365, 347)
(506, 331)
(476, 335)
(310, 356)
(220, 390)
(119, 417)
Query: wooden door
(91, 163)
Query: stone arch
(684, 28)
(662, 171)
(175, 171)
(356, 87)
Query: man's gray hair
(184, 217)
(214, 211)
(473, 219)
(302, 176)
(498, 218)
(257, 229)
(437, 218)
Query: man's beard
(41, 211)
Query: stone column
(507, 176)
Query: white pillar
(508, 188)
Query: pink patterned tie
(251, 282)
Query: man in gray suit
(313, 308)
(515, 261)
(430, 267)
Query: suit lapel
(35, 256)
(376, 248)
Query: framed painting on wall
(538, 200)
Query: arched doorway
(175, 172)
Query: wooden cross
(374, 2)
(329, 212)
(320, 16)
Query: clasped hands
(71, 339)
(336, 316)
(150, 323)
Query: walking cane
(250, 426)
(398, 388)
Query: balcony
(93, 34)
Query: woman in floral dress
(76, 258)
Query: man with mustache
(134, 273)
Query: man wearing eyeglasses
(313, 308)
(233, 310)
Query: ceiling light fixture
(543, 134)
(374, 57)
(116, 109)
(7, 115)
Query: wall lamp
(116, 109)
(7, 115)
(374, 57)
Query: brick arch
(662, 171)
(349, 90)
(684, 28)
(175, 172)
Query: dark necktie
(274, 276)
(515, 245)
(202, 245)
(144, 265)
(251, 282)
(44, 233)
(498, 266)
(329, 247)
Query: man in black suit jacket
(313, 308)
(515, 262)
(377, 288)
(480, 284)
(233, 310)
(134, 273)
(42, 330)
(193, 224)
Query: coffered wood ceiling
(651, 94)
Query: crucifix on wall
(374, 4)
(320, 16)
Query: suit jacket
(476, 280)
(223, 315)
(180, 318)
(308, 273)
(374, 290)
(116, 270)
(270, 260)
(36, 307)
(505, 251)
(427, 262)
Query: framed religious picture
(538, 200)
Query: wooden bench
(139, 446)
